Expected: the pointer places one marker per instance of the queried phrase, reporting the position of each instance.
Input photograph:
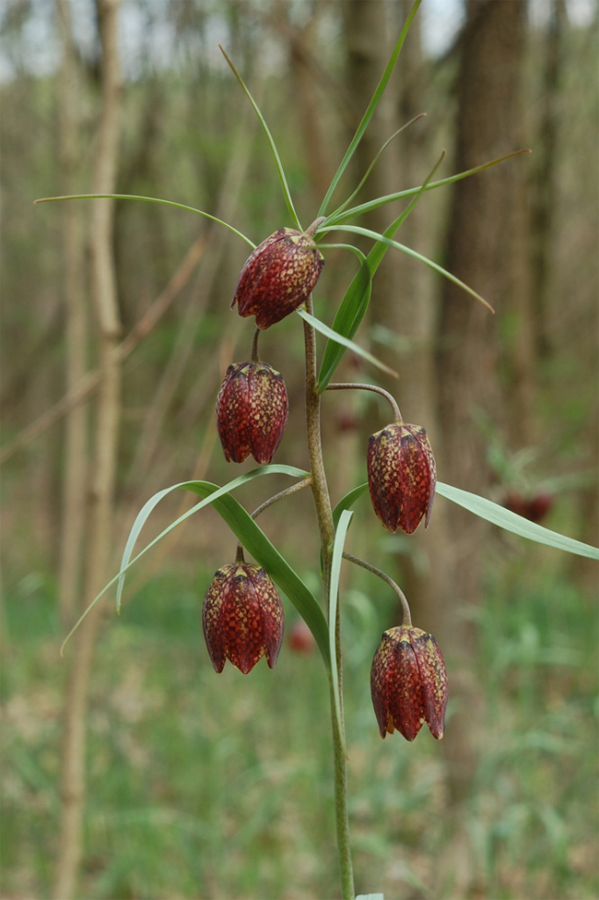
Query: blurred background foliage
(196, 787)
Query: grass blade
(333, 336)
(193, 209)
(369, 112)
(270, 139)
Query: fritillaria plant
(242, 613)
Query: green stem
(324, 515)
(354, 385)
(298, 486)
(405, 606)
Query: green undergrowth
(219, 786)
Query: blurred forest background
(130, 769)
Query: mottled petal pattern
(408, 683)
(242, 617)
(401, 476)
(278, 277)
(251, 412)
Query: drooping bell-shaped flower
(401, 476)
(278, 276)
(251, 412)
(408, 683)
(242, 617)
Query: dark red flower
(242, 617)
(251, 412)
(300, 639)
(401, 476)
(408, 683)
(278, 277)
(534, 508)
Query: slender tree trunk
(544, 185)
(108, 412)
(479, 244)
(408, 310)
(228, 203)
(75, 452)
(318, 160)
(402, 302)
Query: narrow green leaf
(200, 212)
(337, 558)
(493, 513)
(366, 175)
(347, 321)
(355, 250)
(349, 500)
(369, 112)
(355, 303)
(356, 229)
(251, 536)
(510, 521)
(345, 215)
(142, 518)
(146, 510)
(271, 142)
(328, 332)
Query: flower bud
(278, 277)
(401, 476)
(242, 617)
(408, 683)
(251, 412)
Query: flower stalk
(405, 606)
(352, 385)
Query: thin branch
(89, 383)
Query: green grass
(206, 786)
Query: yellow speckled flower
(408, 683)
(242, 617)
(251, 412)
(278, 277)
(401, 476)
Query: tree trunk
(75, 450)
(544, 184)
(106, 441)
(481, 237)
(317, 159)
(402, 303)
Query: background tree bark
(106, 445)
(482, 232)
(75, 437)
(544, 182)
